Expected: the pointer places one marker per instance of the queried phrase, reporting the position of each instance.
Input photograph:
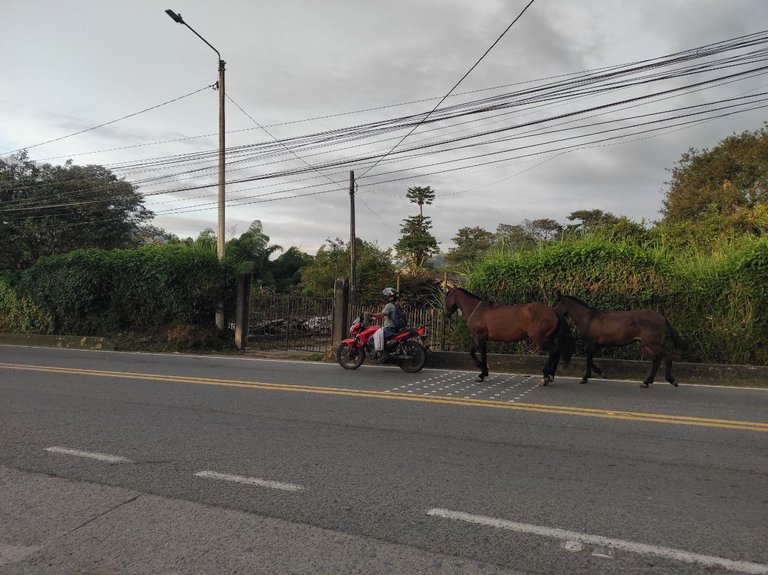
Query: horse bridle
(474, 310)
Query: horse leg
(596, 368)
(473, 354)
(483, 365)
(550, 366)
(656, 354)
(668, 374)
(590, 364)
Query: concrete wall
(712, 374)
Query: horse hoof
(544, 381)
(479, 379)
(583, 381)
(644, 384)
(673, 383)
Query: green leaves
(717, 301)
(99, 292)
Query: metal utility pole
(352, 242)
(220, 245)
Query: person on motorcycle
(394, 321)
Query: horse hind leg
(550, 366)
(668, 373)
(590, 364)
(656, 354)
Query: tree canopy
(374, 268)
(471, 244)
(720, 192)
(48, 210)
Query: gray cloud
(287, 61)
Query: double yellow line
(554, 409)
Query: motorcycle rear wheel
(349, 357)
(416, 357)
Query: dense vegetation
(167, 292)
(717, 301)
(704, 264)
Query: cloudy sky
(316, 89)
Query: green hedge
(98, 292)
(717, 302)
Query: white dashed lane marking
(605, 544)
(249, 481)
(504, 387)
(88, 454)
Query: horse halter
(474, 310)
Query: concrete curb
(695, 373)
(67, 341)
(699, 373)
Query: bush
(97, 292)
(19, 315)
(717, 301)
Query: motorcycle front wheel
(415, 356)
(349, 357)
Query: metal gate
(290, 322)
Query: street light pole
(222, 158)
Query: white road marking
(249, 480)
(89, 454)
(571, 536)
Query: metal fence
(290, 322)
(306, 323)
(439, 330)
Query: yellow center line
(320, 390)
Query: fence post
(243, 310)
(340, 310)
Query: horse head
(559, 306)
(450, 303)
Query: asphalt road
(140, 463)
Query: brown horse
(488, 321)
(614, 328)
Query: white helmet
(389, 293)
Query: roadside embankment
(694, 373)
(697, 373)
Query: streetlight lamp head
(175, 17)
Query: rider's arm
(377, 315)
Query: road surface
(149, 463)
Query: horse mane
(577, 300)
(469, 293)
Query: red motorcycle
(406, 348)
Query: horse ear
(558, 294)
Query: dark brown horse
(488, 321)
(614, 328)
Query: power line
(106, 123)
(452, 89)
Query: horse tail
(676, 338)
(565, 339)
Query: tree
(544, 230)
(528, 234)
(416, 244)
(205, 239)
(590, 220)
(421, 196)
(287, 268)
(722, 191)
(514, 237)
(471, 244)
(374, 268)
(48, 210)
